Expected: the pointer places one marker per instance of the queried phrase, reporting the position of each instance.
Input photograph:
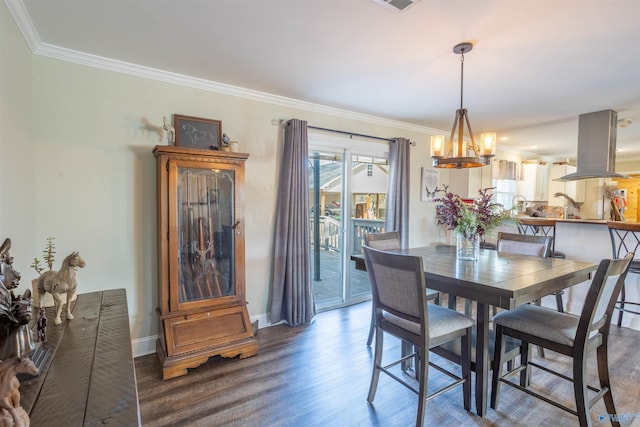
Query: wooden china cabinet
(202, 308)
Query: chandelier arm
(476, 151)
(453, 131)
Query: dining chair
(523, 244)
(401, 310)
(625, 238)
(544, 227)
(388, 241)
(526, 244)
(567, 334)
(541, 227)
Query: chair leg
(465, 360)
(540, 349)
(525, 357)
(559, 303)
(372, 327)
(422, 388)
(377, 361)
(580, 389)
(498, 356)
(603, 375)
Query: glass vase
(467, 247)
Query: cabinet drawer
(207, 329)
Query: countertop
(534, 219)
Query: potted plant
(470, 221)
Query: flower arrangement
(468, 219)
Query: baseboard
(144, 346)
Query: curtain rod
(352, 134)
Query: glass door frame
(346, 148)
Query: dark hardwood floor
(318, 375)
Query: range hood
(596, 146)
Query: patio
(329, 286)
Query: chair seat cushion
(431, 294)
(442, 322)
(541, 322)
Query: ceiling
(535, 66)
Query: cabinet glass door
(205, 218)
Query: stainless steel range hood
(596, 146)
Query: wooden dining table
(501, 280)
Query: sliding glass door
(347, 198)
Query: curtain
(291, 297)
(398, 191)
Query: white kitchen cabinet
(467, 182)
(573, 189)
(534, 184)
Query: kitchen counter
(584, 240)
(534, 219)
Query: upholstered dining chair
(401, 310)
(544, 227)
(388, 241)
(525, 244)
(568, 334)
(625, 238)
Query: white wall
(76, 164)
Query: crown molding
(23, 20)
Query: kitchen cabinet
(534, 184)
(201, 274)
(467, 182)
(573, 189)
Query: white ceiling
(536, 64)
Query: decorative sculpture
(61, 282)
(171, 131)
(9, 390)
(16, 338)
(42, 325)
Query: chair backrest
(601, 298)
(625, 238)
(524, 244)
(383, 241)
(539, 227)
(398, 285)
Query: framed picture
(430, 181)
(196, 132)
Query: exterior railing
(330, 232)
(362, 227)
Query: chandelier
(462, 153)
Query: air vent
(399, 5)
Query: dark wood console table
(89, 377)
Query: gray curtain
(291, 297)
(398, 191)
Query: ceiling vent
(398, 5)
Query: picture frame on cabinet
(197, 132)
(429, 183)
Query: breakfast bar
(585, 240)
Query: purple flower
(479, 217)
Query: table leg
(482, 358)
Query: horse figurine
(9, 387)
(61, 282)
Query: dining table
(494, 279)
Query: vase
(467, 247)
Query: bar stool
(544, 227)
(625, 238)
